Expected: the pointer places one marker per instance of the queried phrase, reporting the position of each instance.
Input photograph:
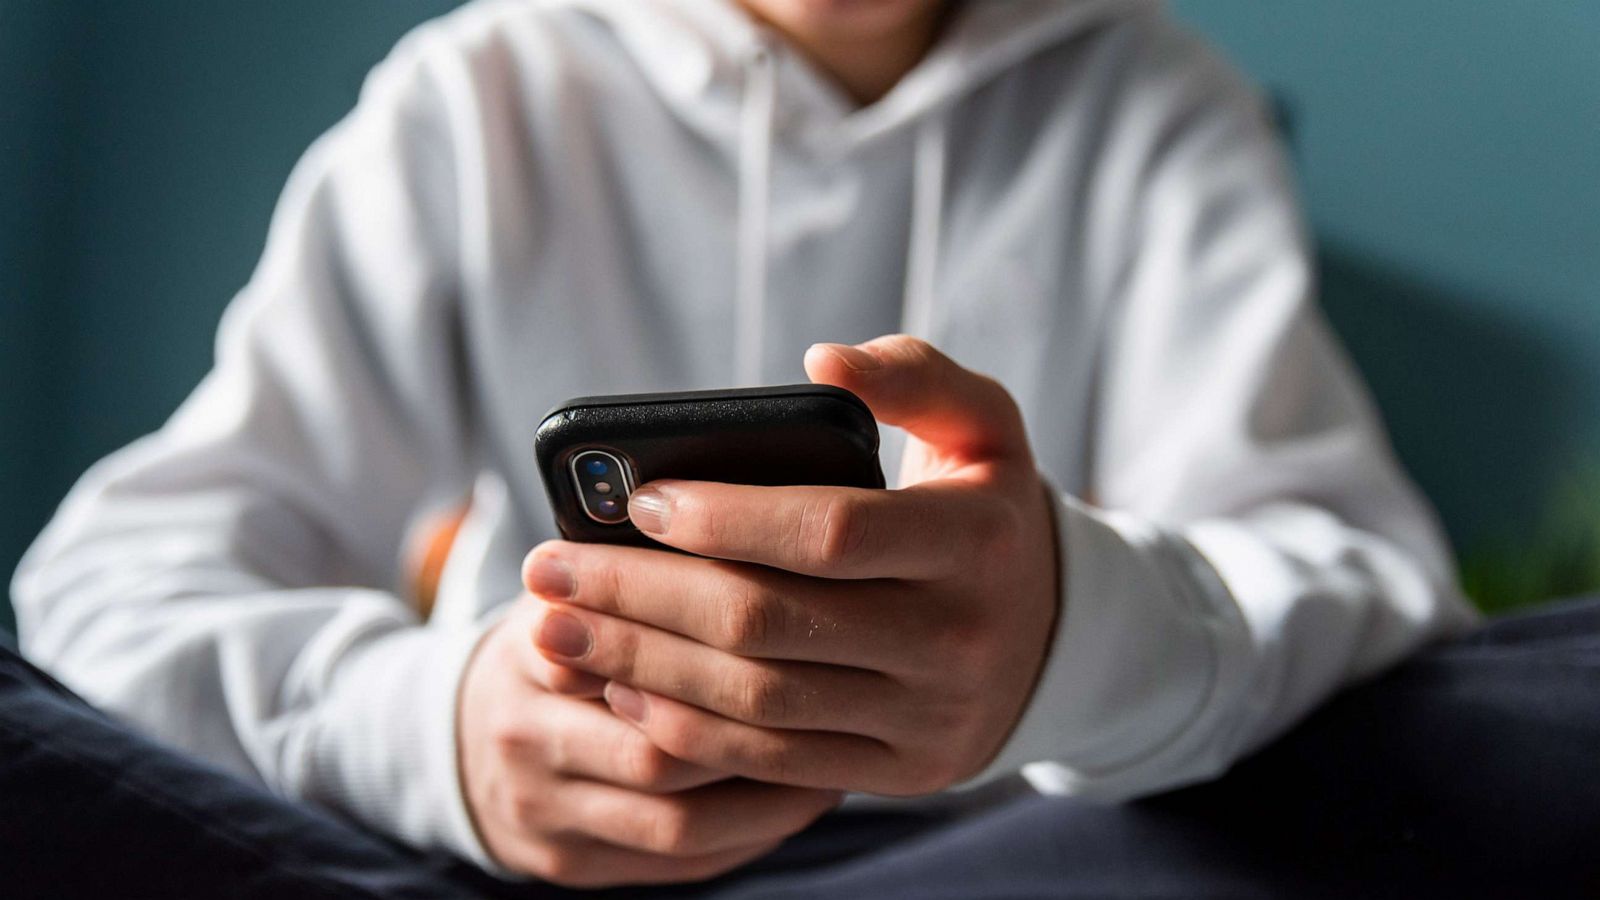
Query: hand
(880, 641)
(561, 789)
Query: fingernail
(549, 576)
(563, 635)
(855, 357)
(649, 510)
(627, 702)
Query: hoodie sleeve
(1252, 544)
(228, 582)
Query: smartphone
(595, 451)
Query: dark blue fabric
(89, 808)
(1472, 771)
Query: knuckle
(677, 737)
(642, 764)
(704, 521)
(775, 760)
(616, 657)
(604, 585)
(748, 617)
(760, 696)
(995, 393)
(915, 349)
(838, 532)
(507, 737)
(526, 810)
(670, 830)
(1005, 412)
(559, 865)
(556, 750)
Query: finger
(925, 532)
(584, 739)
(707, 820)
(816, 759)
(527, 620)
(745, 610)
(908, 383)
(578, 862)
(769, 693)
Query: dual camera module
(604, 483)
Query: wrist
(388, 756)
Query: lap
(1470, 770)
(89, 808)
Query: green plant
(1558, 557)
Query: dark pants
(1472, 771)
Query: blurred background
(1449, 154)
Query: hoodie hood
(699, 55)
(734, 81)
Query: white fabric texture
(536, 200)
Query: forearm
(337, 696)
(1178, 650)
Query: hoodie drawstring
(755, 198)
(927, 223)
(755, 201)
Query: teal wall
(143, 146)
(1450, 154)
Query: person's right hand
(563, 790)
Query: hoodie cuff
(1141, 650)
(385, 753)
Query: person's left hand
(870, 640)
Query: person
(1160, 529)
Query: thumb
(909, 384)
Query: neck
(866, 65)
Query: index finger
(923, 532)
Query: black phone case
(786, 435)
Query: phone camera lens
(603, 481)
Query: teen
(1160, 529)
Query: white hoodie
(535, 200)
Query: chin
(844, 19)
